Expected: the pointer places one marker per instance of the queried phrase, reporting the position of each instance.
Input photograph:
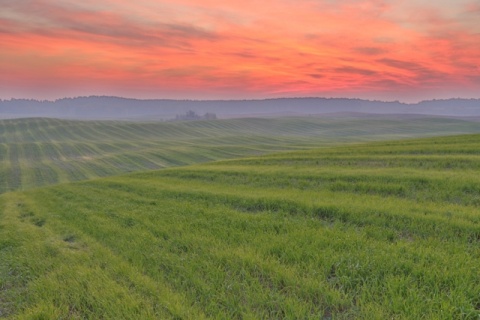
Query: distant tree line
(192, 115)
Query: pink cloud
(238, 48)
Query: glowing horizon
(382, 50)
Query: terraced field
(380, 230)
(39, 152)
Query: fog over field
(115, 108)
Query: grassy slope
(375, 231)
(38, 152)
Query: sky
(402, 50)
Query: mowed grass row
(28, 165)
(47, 130)
(39, 152)
(351, 232)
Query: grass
(379, 230)
(41, 152)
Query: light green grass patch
(381, 230)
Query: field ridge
(38, 152)
(377, 230)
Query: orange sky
(391, 50)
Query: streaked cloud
(250, 49)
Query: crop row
(306, 234)
(78, 150)
(341, 129)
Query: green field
(39, 152)
(377, 230)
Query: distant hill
(116, 108)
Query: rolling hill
(378, 230)
(38, 152)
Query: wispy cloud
(258, 49)
(60, 22)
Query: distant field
(39, 152)
(381, 230)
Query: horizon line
(233, 100)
